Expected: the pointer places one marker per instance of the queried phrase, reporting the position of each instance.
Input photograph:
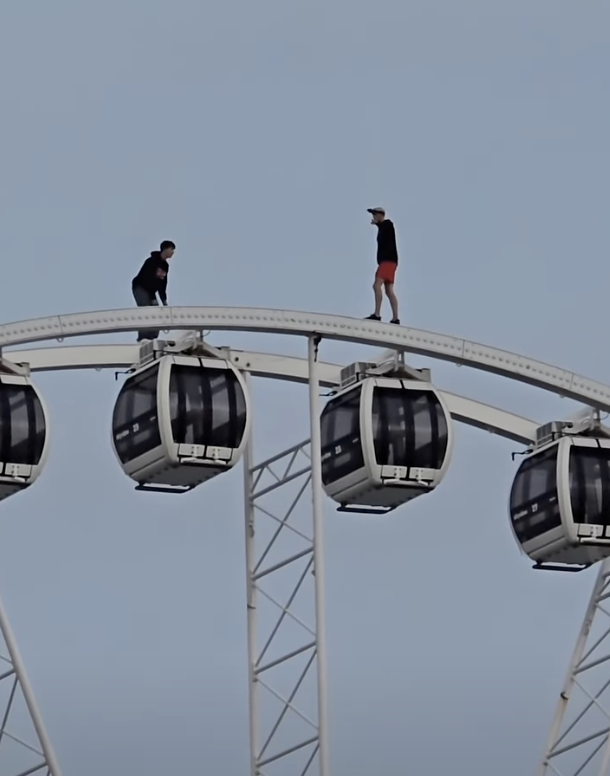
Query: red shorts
(386, 271)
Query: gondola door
(406, 432)
(208, 411)
(586, 492)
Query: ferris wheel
(184, 415)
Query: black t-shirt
(153, 276)
(386, 242)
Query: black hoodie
(386, 242)
(153, 276)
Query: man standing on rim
(152, 280)
(387, 261)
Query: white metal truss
(281, 615)
(286, 629)
(579, 740)
(25, 748)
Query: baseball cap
(379, 210)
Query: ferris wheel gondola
(24, 436)
(560, 503)
(180, 420)
(385, 441)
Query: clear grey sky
(255, 135)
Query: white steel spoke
(24, 745)
(579, 741)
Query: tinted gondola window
(534, 506)
(340, 435)
(135, 422)
(207, 406)
(22, 425)
(590, 485)
(409, 428)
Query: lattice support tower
(579, 741)
(25, 748)
(286, 630)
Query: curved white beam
(468, 411)
(365, 332)
(491, 419)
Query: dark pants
(145, 299)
